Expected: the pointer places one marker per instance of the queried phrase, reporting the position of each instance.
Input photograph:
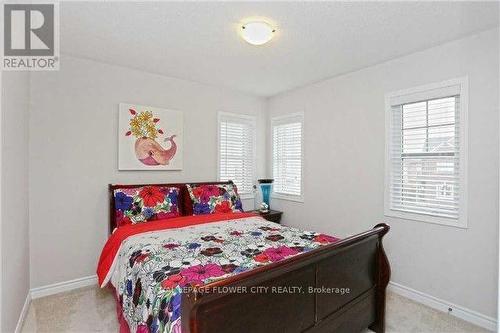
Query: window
(237, 151)
(287, 136)
(426, 154)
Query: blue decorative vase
(266, 186)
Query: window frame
(421, 93)
(246, 119)
(280, 120)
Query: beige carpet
(93, 310)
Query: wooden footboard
(336, 288)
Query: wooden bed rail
(339, 287)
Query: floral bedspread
(151, 268)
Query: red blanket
(115, 240)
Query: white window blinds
(237, 150)
(287, 135)
(426, 171)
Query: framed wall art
(149, 138)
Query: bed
(236, 272)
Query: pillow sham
(216, 198)
(147, 203)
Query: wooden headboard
(185, 204)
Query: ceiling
(199, 41)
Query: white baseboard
(24, 312)
(468, 315)
(52, 289)
(60, 287)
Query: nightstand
(271, 215)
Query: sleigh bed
(333, 285)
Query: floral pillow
(209, 199)
(142, 204)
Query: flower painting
(149, 138)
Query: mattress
(149, 265)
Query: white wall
(344, 169)
(15, 222)
(74, 152)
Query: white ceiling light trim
(257, 32)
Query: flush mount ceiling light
(257, 33)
